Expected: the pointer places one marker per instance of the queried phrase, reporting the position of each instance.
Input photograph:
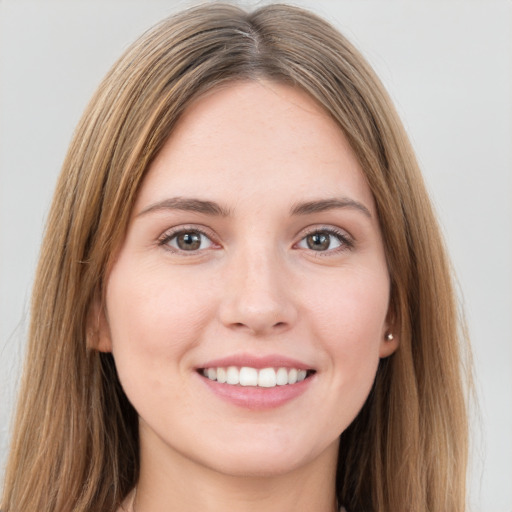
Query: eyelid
(347, 240)
(170, 233)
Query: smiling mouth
(263, 378)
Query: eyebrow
(211, 208)
(188, 205)
(323, 205)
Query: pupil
(318, 241)
(189, 241)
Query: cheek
(153, 329)
(351, 305)
(146, 302)
(152, 324)
(350, 322)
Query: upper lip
(258, 362)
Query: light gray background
(448, 65)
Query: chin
(271, 457)
(258, 466)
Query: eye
(323, 240)
(187, 240)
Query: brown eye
(323, 240)
(318, 241)
(189, 241)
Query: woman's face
(253, 255)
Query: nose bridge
(257, 268)
(256, 298)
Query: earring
(389, 337)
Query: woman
(242, 297)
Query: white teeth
(282, 376)
(232, 375)
(247, 376)
(221, 375)
(267, 378)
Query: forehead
(256, 137)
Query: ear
(390, 336)
(389, 343)
(98, 330)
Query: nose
(257, 298)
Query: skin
(255, 287)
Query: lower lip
(257, 398)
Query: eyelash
(164, 240)
(346, 242)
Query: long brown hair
(75, 439)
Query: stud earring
(389, 337)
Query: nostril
(241, 325)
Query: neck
(175, 483)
